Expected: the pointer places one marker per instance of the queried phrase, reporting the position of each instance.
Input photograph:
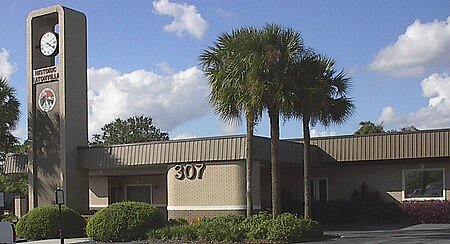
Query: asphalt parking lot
(422, 233)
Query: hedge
(43, 223)
(428, 211)
(125, 221)
(260, 227)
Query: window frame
(316, 189)
(404, 198)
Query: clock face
(49, 44)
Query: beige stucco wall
(221, 188)
(192, 215)
(99, 188)
(386, 178)
(158, 183)
(98, 192)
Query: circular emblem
(47, 99)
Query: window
(138, 193)
(423, 184)
(319, 189)
(113, 194)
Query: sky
(143, 59)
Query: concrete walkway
(57, 241)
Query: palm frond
(320, 93)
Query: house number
(189, 171)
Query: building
(206, 176)
(197, 177)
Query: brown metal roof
(289, 153)
(15, 164)
(162, 152)
(401, 145)
(327, 150)
(229, 148)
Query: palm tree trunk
(306, 183)
(249, 162)
(275, 167)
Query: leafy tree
(22, 149)
(9, 116)
(320, 96)
(132, 130)
(367, 127)
(411, 128)
(17, 182)
(14, 183)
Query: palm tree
(227, 75)
(248, 71)
(274, 53)
(320, 97)
(9, 115)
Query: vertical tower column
(57, 105)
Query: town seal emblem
(47, 99)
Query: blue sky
(143, 58)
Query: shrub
(285, 228)
(428, 211)
(289, 228)
(223, 228)
(125, 221)
(364, 206)
(183, 232)
(43, 223)
(178, 221)
(8, 218)
(257, 226)
(365, 203)
(334, 212)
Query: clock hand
(48, 44)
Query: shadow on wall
(46, 161)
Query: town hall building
(193, 177)
(206, 176)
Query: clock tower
(57, 105)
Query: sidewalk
(57, 241)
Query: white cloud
(185, 18)
(170, 100)
(6, 68)
(316, 133)
(184, 136)
(164, 67)
(231, 127)
(422, 46)
(436, 88)
(225, 14)
(354, 70)
(20, 133)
